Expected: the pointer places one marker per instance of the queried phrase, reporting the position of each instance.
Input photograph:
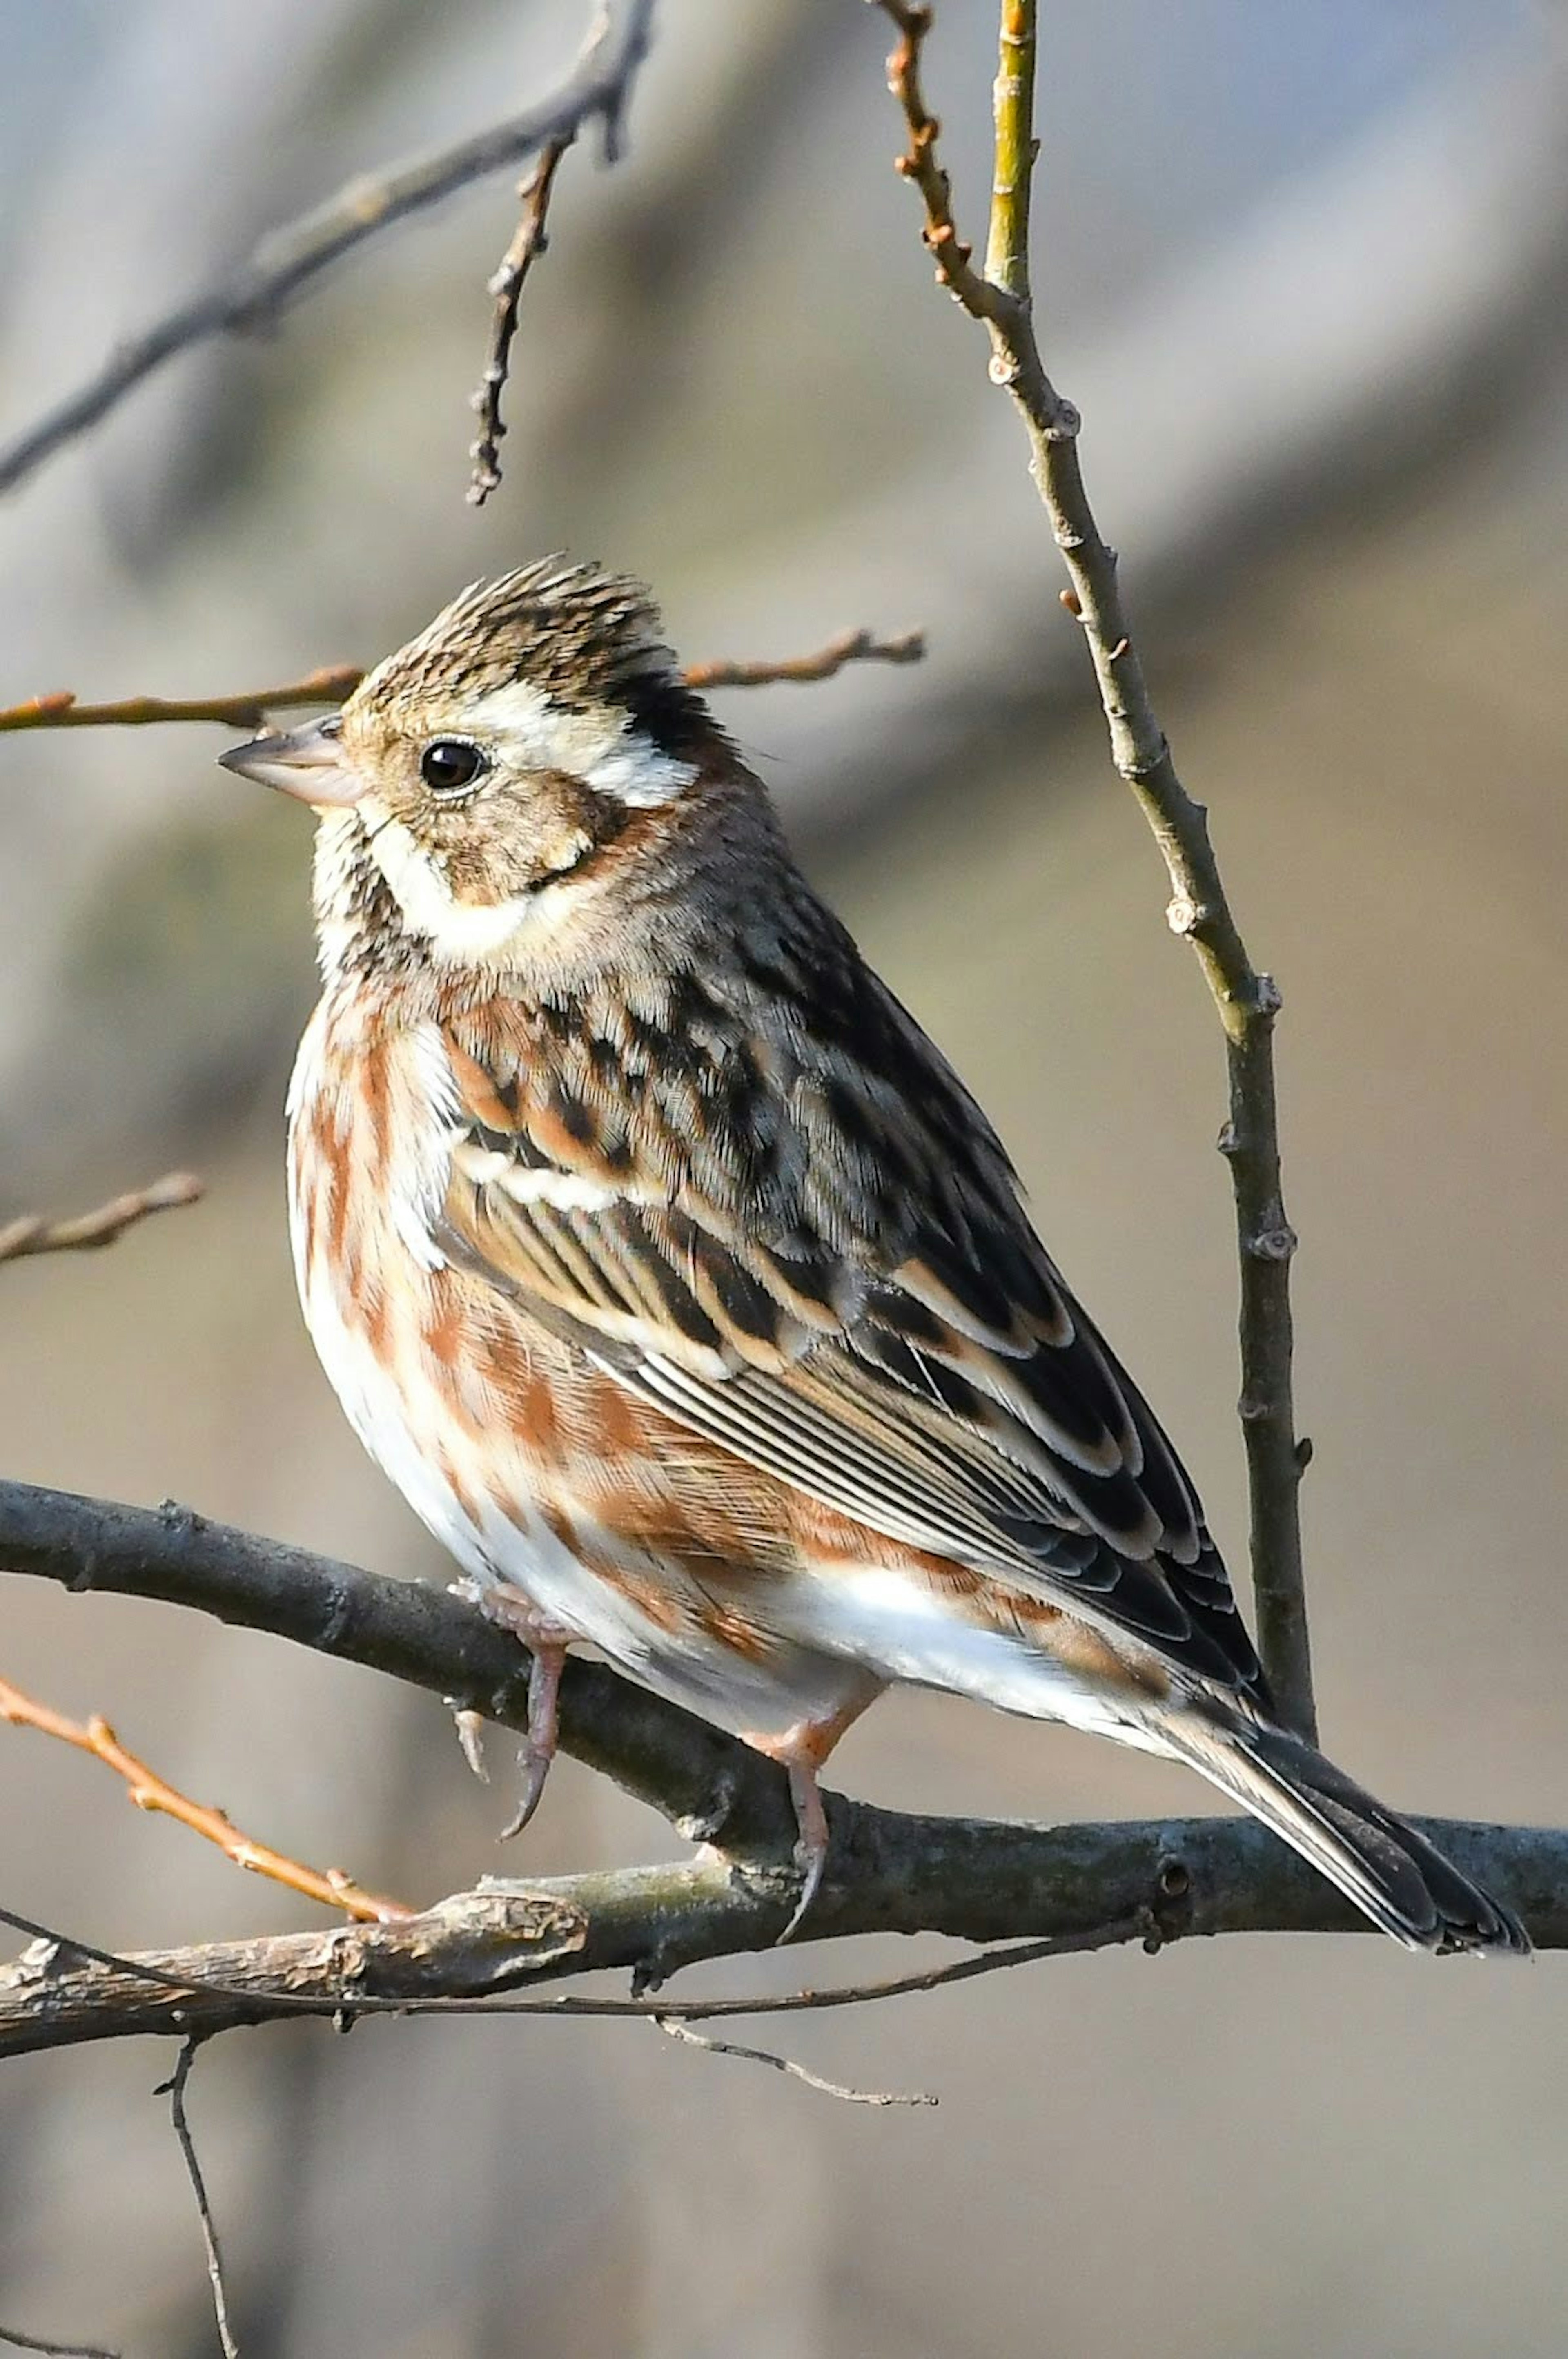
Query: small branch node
(1272, 1244)
(1185, 918)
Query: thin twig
(173, 2089)
(294, 257)
(248, 709)
(1248, 1001)
(35, 1234)
(148, 1792)
(531, 240)
(683, 2032)
(20, 2341)
(851, 646)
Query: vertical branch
(174, 2090)
(1248, 1001)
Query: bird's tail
(1392, 1874)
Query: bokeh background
(1306, 271)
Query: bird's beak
(307, 762)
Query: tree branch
(1248, 1001)
(148, 1792)
(598, 90)
(1075, 1887)
(531, 240)
(174, 2090)
(249, 710)
(852, 647)
(35, 1234)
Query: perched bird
(678, 1282)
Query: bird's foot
(546, 1642)
(811, 1842)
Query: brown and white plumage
(669, 1270)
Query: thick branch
(291, 258)
(1247, 1000)
(1076, 1888)
(888, 1872)
(711, 1787)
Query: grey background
(1306, 272)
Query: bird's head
(484, 788)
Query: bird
(671, 1273)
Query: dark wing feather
(881, 1328)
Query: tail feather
(1389, 1871)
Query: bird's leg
(546, 1642)
(811, 1841)
(801, 1752)
(550, 1656)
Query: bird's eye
(447, 764)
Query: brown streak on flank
(559, 1525)
(739, 1632)
(444, 1329)
(375, 1312)
(477, 1089)
(335, 1169)
(499, 1352)
(375, 1100)
(621, 1427)
(467, 1500)
(534, 1419)
(654, 1599)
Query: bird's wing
(839, 1287)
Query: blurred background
(1306, 272)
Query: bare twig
(248, 709)
(173, 2089)
(20, 2341)
(1248, 1001)
(598, 90)
(676, 2029)
(851, 646)
(148, 1792)
(34, 1234)
(530, 242)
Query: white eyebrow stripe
(600, 748)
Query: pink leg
(546, 1642)
(811, 1841)
(802, 1751)
(539, 1747)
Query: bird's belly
(502, 1516)
(967, 1636)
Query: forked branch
(292, 258)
